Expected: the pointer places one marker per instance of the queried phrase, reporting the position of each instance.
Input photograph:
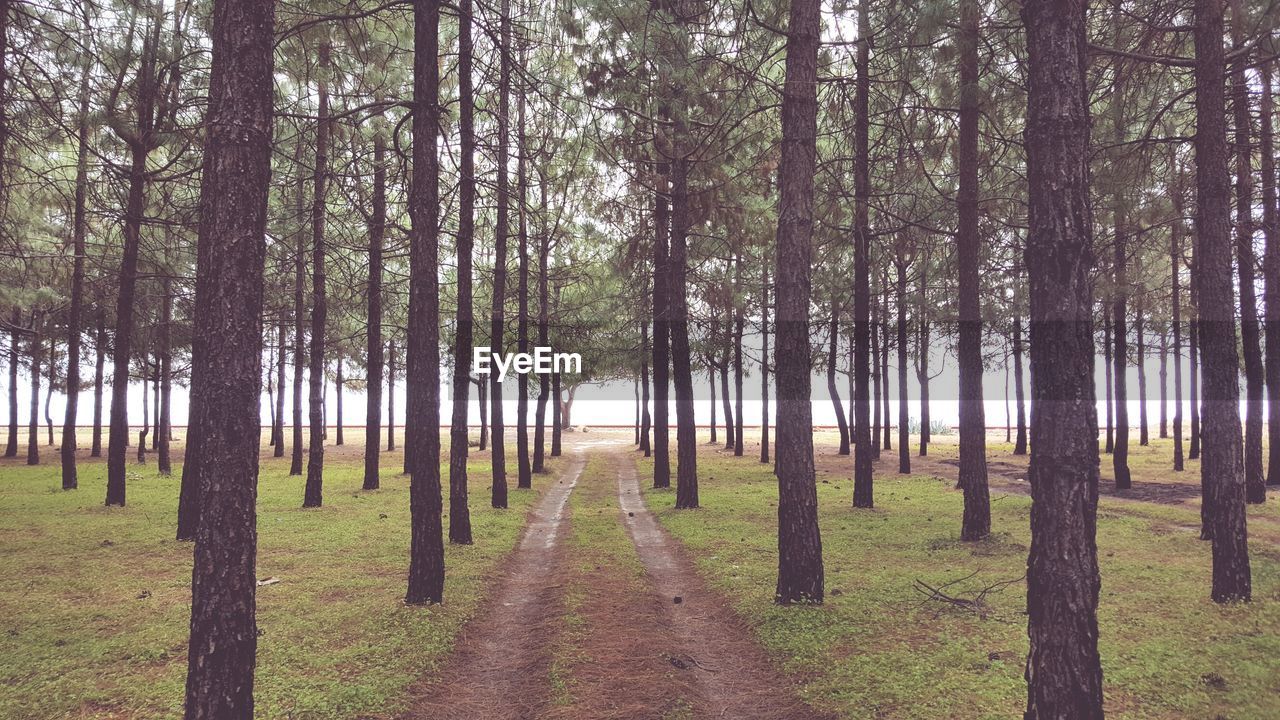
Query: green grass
(96, 601)
(875, 649)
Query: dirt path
(733, 678)
(498, 669)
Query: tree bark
(832, 351)
(426, 556)
(904, 419)
(556, 425)
(338, 381)
(544, 382)
(764, 366)
(373, 346)
(800, 572)
(645, 419)
(314, 492)
(464, 332)
(686, 430)
(1175, 283)
(498, 312)
(277, 427)
(1139, 328)
(299, 320)
(33, 422)
(661, 328)
(524, 468)
(1020, 442)
(922, 357)
(1246, 260)
(227, 361)
(1063, 672)
(1119, 309)
(1223, 446)
(724, 401)
(11, 445)
(391, 396)
(1110, 377)
(75, 315)
(973, 433)
(739, 329)
(1271, 276)
(864, 447)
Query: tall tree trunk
(1164, 385)
(498, 312)
(314, 493)
(99, 378)
(884, 359)
(464, 332)
(11, 445)
(1193, 355)
(373, 345)
(973, 434)
(661, 327)
(645, 419)
(299, 319)
(556, 424)
(277, 428)
(875, 382)
(1271, 276)
(1064, 674)
(682, 373)
(724, 401)
(711, 383)
(391, 395)
(80, 229)
(764, 366)
(33, 422)
(922, 356)
(739, 329)
(904, 431)
(146, 419)
(1119, 309)
(1246, 260)
(832, 352)
(1223, 447)
(482, 400)
(426, 556)
(1020, 443)
(1175, 283)
(863, 490)
(1110, 377)
(544, 382)
(524, 469)
(800, 572)
(1139, 328)
(227, 360)
(164, 426)
(338, 382)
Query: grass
(877, 649)
(96, 601)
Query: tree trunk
(338, 382)
(314, 493)
(164, 398)
(645, 419)
(875, 383)
(299, 319)
(1020, 443)
(464, 331)
(11, 445)
(391, 395)
(739, 328)
(1063, 672)
(226, 361)
(498, 311)
(661, 328)
(426, 556)
(1271, 277)
(724, 401)
(277, 428)
(1119, 310)
(544, 383)
(524, 469)
(922, 357)
(800, 572)
(884, 360)
(682, 373)
(80, 230)
(863, 490)
(373, 345)
(146, 418)
(33, 422)
(711, 377)
(904, 431)
(1246, 260)
(1164, 385)
(832, 351)
(1223, 449)
(1110, 377)
(1139, 327)
(556, 424)
(1193, 355)
(973, 458)
(482, 400)
(1175, 283)
(764, 366)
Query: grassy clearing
(96, 601)
(876, 649)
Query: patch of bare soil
(732, 676)
(499, 665)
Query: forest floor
(566, 606)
